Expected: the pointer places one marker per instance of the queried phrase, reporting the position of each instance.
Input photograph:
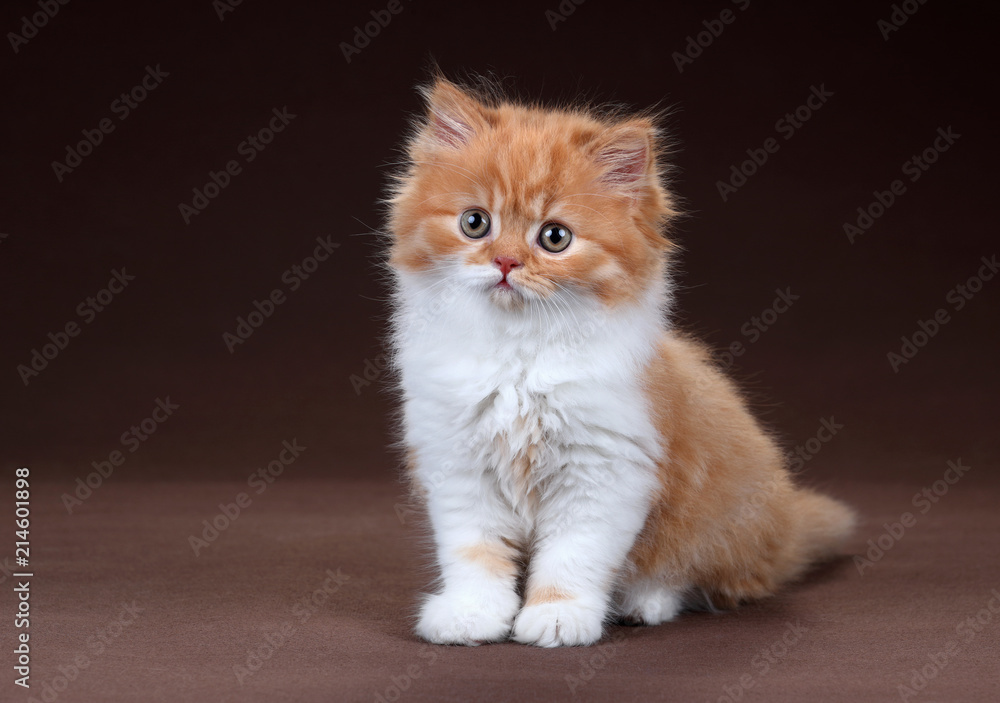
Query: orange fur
(545, 594)
(728, 518)
(553, 173)
(497, 558)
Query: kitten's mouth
(504, 284)
(504, 294)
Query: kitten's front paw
(563, 623)
(447, 618)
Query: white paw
(651, 604)
(564, 623)
(448, 618)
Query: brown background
(323, 176)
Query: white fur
(481, 383)
(650, 601)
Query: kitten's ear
(453, 116)
(625, 154)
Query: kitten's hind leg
(649, 601)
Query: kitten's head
(525, 203)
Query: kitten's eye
(554, 238)
(475, 223)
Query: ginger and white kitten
(580, 461)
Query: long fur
(558, 422)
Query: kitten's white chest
(520, 433)
(514, 404)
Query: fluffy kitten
(579, 460)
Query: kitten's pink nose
(505, 264)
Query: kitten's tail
(822, 525)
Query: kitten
(579, 459)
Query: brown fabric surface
(849, 637)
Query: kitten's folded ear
(453, 116)
(626, 156)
